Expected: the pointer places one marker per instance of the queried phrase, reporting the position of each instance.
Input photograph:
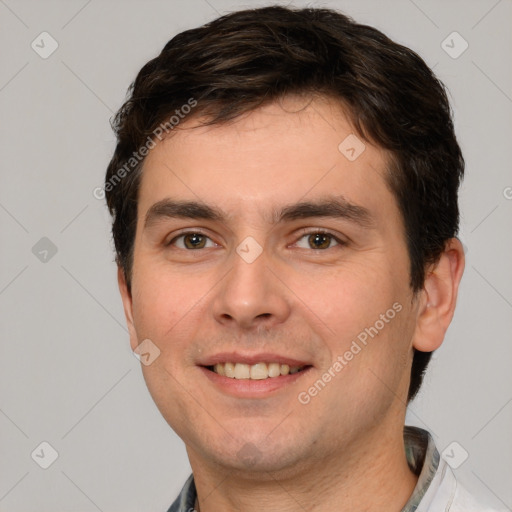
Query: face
(294, 256)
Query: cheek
(350, 297)
(371, 364)
(165, 304)
(367, 311)
(166, 310)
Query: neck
(372, 474)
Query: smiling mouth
(258, 371)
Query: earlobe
(439, 297)
(127, 306)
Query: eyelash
(304, 232)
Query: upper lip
(250, 359)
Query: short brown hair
(249, 58)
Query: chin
(253, 458)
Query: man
(284, 201)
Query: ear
(127, 305)
(438, 298)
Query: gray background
(67, 375)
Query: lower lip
(249, 388)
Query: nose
(251, 295)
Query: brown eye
(194, 241)
(190, 241)
(319, 240)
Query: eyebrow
(336, 207)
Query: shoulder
(465, 501)
(453, 496)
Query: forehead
(283, 152)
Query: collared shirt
(437, 490)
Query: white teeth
(219, 368)
(274, 370)
(242, 371)
(229, 370)
(257, 371)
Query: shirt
(437, 490)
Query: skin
(344, 449)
